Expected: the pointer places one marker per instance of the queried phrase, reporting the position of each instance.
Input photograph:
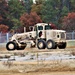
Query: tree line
(16, 14)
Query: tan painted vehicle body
(41, 36)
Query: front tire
(41, 44)
(51, 44)
(11, 46)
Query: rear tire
(51, 44)
(41, 44)
(11, 46)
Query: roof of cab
(41, 24)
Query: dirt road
(43, 73)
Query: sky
(34, 1)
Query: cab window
(47, 27)
(40, 27)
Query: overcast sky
(33, 1)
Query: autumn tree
(49, 11)
(27, 5)
(72, 5)
(1, 19)
(37, 7)
(3, 9)
(53, 26)
(30, 19)
(68, 22)
(3, 12)
(3, 28)
(16, 9)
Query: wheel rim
(49, 45)
(40, 44)
(11, 46)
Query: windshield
(40, 27)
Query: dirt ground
(41, 73)
(60, 67)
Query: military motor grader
(41, 36)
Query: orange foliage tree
(69, 22)
(1, 18)
(53, 26)
(30, 19)
(3, 28)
